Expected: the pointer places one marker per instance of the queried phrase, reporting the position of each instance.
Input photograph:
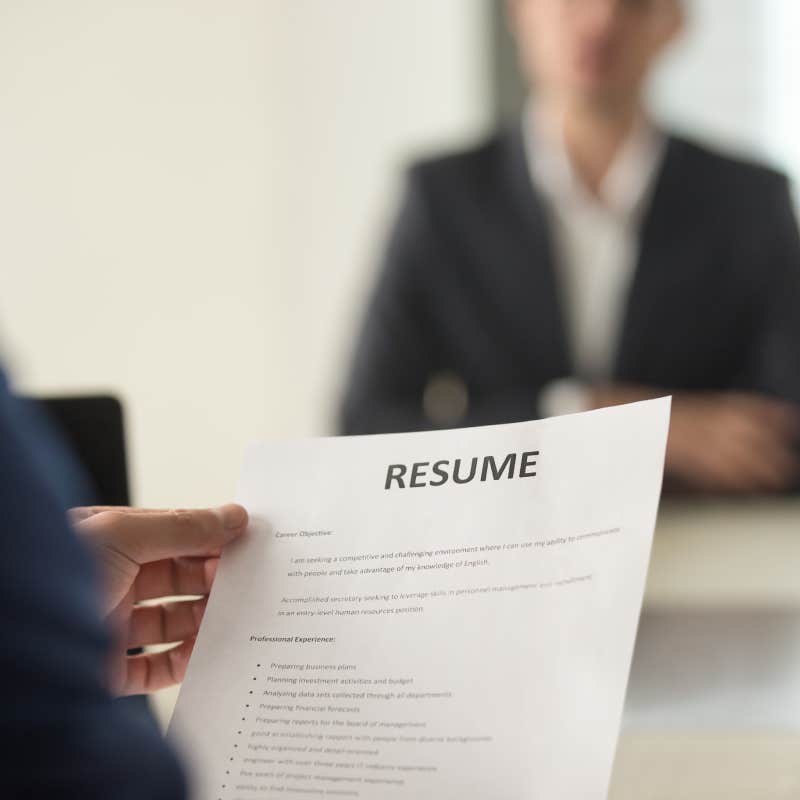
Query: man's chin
(603, 96)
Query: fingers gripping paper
(442, 615)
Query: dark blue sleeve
(61, 735)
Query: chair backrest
(94, 428)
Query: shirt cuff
(564, 396)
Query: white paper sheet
(443, 640)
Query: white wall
(192, 192)
(781, 124)
(733, 78)
(712, 82)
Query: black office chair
(94, 429)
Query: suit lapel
(668, 231)
(529, 286)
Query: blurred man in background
(588, 258)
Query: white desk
(718, 650)
(708, 767)
(726, 555)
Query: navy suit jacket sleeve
(61, 735)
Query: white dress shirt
(596, 239)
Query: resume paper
(445, 615)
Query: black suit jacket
(469, 286)
(61, 735)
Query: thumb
(146, 536)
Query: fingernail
(233, 517)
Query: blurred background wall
(193, 191)
(191, 194)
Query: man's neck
(593, 137)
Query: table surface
(706, 767)
(726, 554)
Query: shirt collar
(627, 184)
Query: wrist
(564, 396)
